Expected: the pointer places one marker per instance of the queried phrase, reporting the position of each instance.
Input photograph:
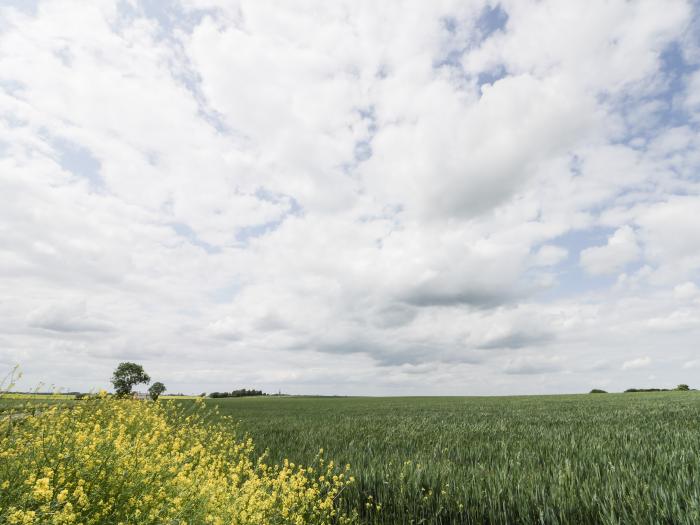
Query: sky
(351, 197)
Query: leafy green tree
(156, 390)
(126, 376)
(683, 387)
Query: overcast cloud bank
(351, 197)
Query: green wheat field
(613, 458)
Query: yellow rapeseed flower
(124, 461)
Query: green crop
(624, 458)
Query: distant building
(141, 396)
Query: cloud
(692, 99)
(640, 362)
(533, 365)
(620, 250)
(348, 198)
(691, 364)
(70, 317)
(670, 240)
(458, 165)
(550, 255)
(687, 290)
(516, 340)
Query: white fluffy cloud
(349, 197)
(640, 362)
(621, 249)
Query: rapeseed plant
(111, 461)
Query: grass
(616, 458)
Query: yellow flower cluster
(109, 461)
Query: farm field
(614, 458)
(12, 402)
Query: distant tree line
(680, 388)
(243, 392)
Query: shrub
(122, 461)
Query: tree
(683, 387)
(156, 390)
(126, 376)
